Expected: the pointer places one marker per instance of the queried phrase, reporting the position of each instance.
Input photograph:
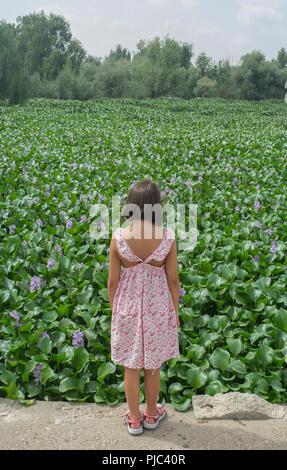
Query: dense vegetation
(58, 158)
(40, 58)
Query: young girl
(143, 289)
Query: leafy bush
(58, 159)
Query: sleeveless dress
(143, 326)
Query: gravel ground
(89, 426)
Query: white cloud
(168, 3)
(240, 41)
(207, 30)
(252, 11)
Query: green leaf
(105, 369)
(80, 358)
(45, 345)
(69, 383)
(220, 359)
(7, 377)
(281, 319)
(214, 387)
(46, 374)
(175, 387)
(196, 377)
(185, 405)
(235, 346)
(104, 294)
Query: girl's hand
(177, 321)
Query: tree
(45, 45)
(205, 64)
(119, 53)
(205, 88)
(282, 58)
(75, 55)
(8, 57)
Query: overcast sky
(221, 28)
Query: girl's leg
(151, 386)
(132, 391)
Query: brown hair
(143, 192)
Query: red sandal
(128, 420)
(160, 414)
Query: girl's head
(141, 193)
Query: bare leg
(151, 386)
(132, 391)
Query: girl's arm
(172, 277)
(114, 272)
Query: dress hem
(143, 367)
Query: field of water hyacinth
(58, 158)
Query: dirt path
(64, 425)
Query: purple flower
(237, 208)
(40, 222)
(81, 265)
(50, 263)
(60, 204)
(74, 165)
(102, 183)
(163, 195)
(44, 333)
(190, 199)
(47, 188)
(257, 205)
(102, 265)
(273, 248)
(172, 180)
(92, 197)
(256, 259)
(15, 315)
(182, 293)
(59, 249)
(259, 224)
(11, 228)
(100, 196)
(256, 244)
(78, 339)
(235, 181)
(69, 224)
(37, 371)
(268, 232)
(35, 283)
(83, 218)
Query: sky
(223, 29)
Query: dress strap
(163, 249)
(124, 249)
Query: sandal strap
(160, 411)
(133, 421)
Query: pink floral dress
(144, 327)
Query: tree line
(39, 57)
